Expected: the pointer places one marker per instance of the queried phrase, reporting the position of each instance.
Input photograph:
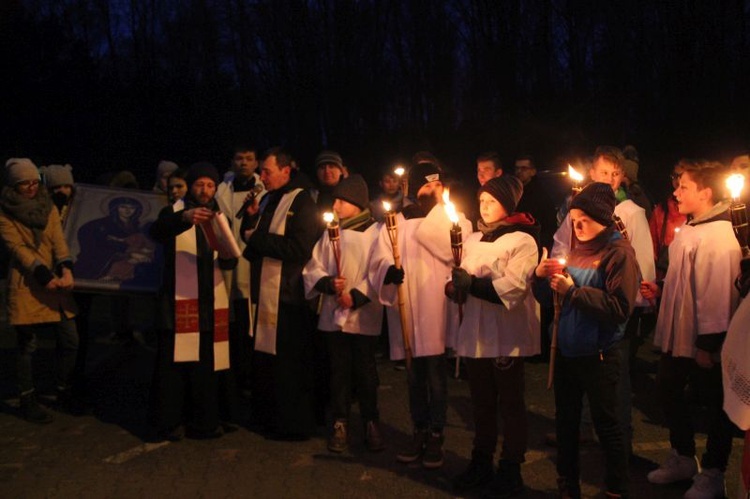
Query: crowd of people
(290, 317)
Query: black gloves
(461, 280)
(394, 275)
(325, 285)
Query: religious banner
(107, 232)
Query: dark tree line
(123, 83)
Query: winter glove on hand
(461, 280)
(325, 285)
(394, 275)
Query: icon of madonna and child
(115, 250)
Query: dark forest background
(121, 84)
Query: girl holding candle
(499, 329)
(350, 316)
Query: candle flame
(450, 208)
(573, 173)
(735, 183)
(561, 261)
(386, 206)
(399, 171)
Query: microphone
(257, 189)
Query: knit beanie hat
(57, 175)
(329, 158)
(200, 170)
(353, 189)
(20, 169)
(421, 174)
(507, 189)
(630, 169)
(598, 201)
(165, 167)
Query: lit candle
(576, 177)
(335, 237)
(735, 183)
(738, 212)
(400, 172)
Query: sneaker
(708, 484)
(675, 469)
(507, 482)
(478, 474)
(32, 411)
(433, 451)
(337, 442)
(414, 449)
(373, 437)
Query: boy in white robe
(500, 328)
(698, 299)
(350, 315)
(426, 257)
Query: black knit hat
(353, 189)
(421, 174)
(200, 170)
(507, 189)
(598, 201)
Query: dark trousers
(673, 376)
(498, 386)
(353, 366)
(66, 348)
(428, 392)
(241, 344)
(598, 378)
(190, 393)
(283, 383)
(83, 302)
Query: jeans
(353, 360)
(673, 375)
(428, 392)
(599, 379)
(66, 346)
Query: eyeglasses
(27, 184)
(675, 176)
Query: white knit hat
(20, 169)
(57, 175)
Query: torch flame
(386, 206)
(399, 171)
(735, 183)
(328, 217)
(450, 208)
(573, 174)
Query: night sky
(123, 84)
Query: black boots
(32, 412)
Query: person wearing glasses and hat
(40, 280)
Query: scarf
(357, 221)
(33, 213)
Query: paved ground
(107, 454)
